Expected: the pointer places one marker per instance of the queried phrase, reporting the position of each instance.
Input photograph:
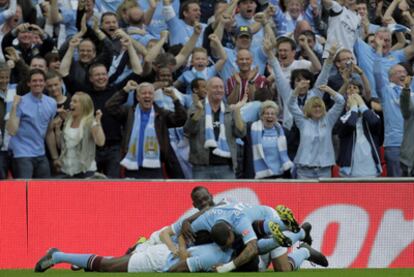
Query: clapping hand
(130, 86)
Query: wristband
(226, 267)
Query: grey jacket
(195, 131)
(407, 146)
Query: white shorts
(265, 259)
(151, 259)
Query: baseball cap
(243, 31)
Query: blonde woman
(315, 155)
(81, 132)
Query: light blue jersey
(366, 57)
(258, 212)
(202, 257)
(230, 213)
(157, 23)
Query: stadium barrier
(356, 225)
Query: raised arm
(326, 68)
(380, 80)
(149, 13)
(365, 82)
(185, 52)
(115, 104)
(220, 51)
(282, 85)
(165, 237)
(97, 130)
(139, 47)
(265, 19)
(334, 113)
(67, 59)
(156, 48)
(238, 120)
(316, 64)
(13, 123)
(196, 114)
(391, 8)
(133, 57)
(293, 106)
(327, 4)
(55, 16)
(409, 50)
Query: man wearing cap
(245, 17)
(243, 41)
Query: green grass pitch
(408, 272)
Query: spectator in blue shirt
(315, 155)
(182, 29)
(30, 123)
(389, 91)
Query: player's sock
(295, 237)
(94, 263)
(297, 257)
(266, 245)
(80, 260)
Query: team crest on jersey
(245, 232)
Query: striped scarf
(151, 148)
(221, 146)
(261, 166)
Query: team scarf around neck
(261, 166)
(151, 148)
(221, 146)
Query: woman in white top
(81, 132)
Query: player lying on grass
(158, 258)
(138, 260)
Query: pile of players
(223, 237)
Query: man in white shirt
(344, 24)
(286, 49)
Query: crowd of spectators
(211, 89)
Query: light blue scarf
(151, 148)
(261, 166)
(221, 147)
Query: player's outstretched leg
(314, 255)
(288, 218)
(46, 261)
(302, 235)
(278, 235)
(306, 252)
(89, 262)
